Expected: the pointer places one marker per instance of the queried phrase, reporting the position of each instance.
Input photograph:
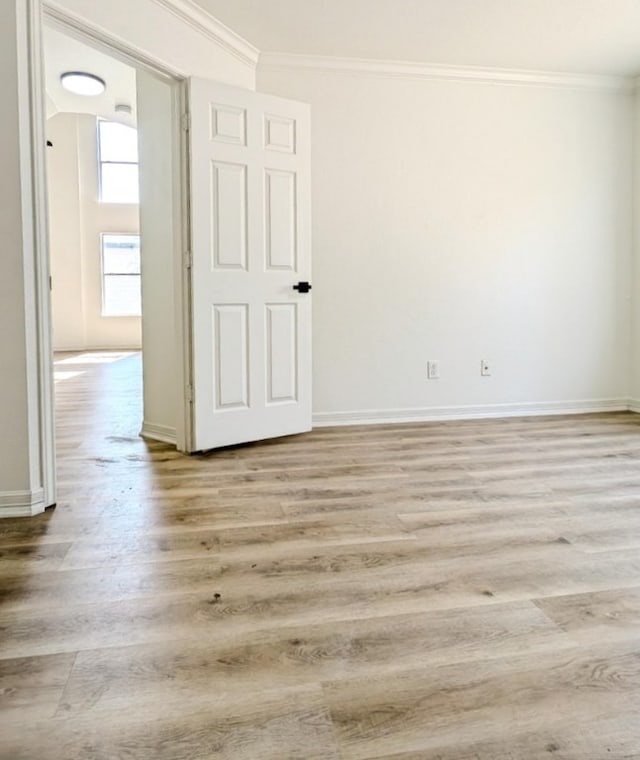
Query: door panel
(231, 356)
(250, 208)
(282, 350)
(229, 218)
(228, 124)
(279, 133)
(280, 218)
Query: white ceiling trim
(408, 70)
(193, 15)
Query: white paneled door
(250, 265)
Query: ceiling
(578, 36)
(63, 53)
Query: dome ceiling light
(81, 83)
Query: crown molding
(408, 70)
(193, 15)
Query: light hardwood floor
(449, 591)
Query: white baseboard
(21, 503)
(162, 433)
(433, 414)
(633, 405)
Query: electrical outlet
(485, 368)
(433, 369)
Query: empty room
(320, 380)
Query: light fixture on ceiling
(81, 83)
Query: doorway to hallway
(111, 258)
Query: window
(121, 276)
(118, 157)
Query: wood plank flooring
(444, 591)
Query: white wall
(459, 221)
(159, 181)
(65, 232)
(163, 34)
(76, 220)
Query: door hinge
(188, 259)
(186, 121)
(189, 393)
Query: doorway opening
(116, 262)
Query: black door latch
(302, 287)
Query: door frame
(66, 22)
(41, 13)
